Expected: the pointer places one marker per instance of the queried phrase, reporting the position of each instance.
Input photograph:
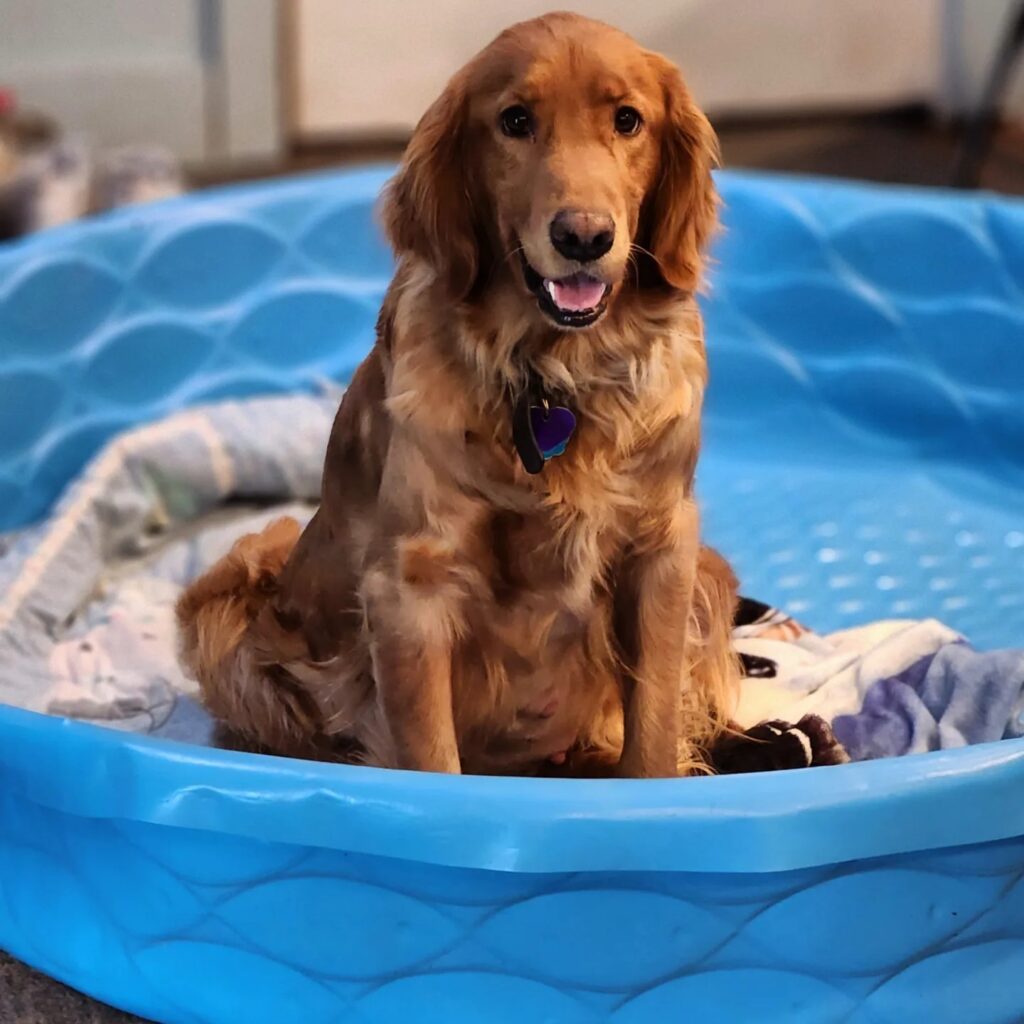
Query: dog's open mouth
(578, 300)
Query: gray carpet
(27, 997)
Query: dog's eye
(628, 120)
(516, 122)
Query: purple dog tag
(552, 428)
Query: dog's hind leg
(231, 643)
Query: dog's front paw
(779, 746)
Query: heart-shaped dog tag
(540, 429)
(552, 428)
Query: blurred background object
(235, 89)
(49, 176)
(984, 121)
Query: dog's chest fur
(535, 657)
(537, 661)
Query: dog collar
(541, 429)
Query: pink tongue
(577, 292)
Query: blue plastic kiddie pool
(867, 352)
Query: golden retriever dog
(505, 573)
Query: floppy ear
(428, 209)
(682, 210)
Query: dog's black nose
(582, 235)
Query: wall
(129, 71)
(113, 73)
(134, 70)
(377, 66)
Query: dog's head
(566, 157)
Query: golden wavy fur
(445, 610)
